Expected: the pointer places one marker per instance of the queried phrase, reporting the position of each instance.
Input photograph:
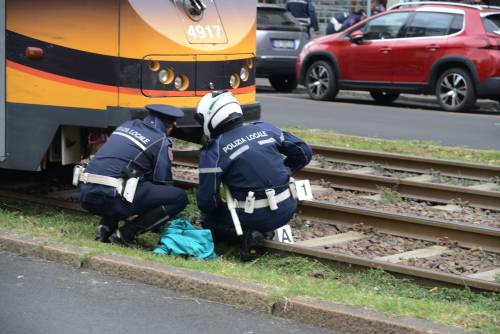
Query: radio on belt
(77, 171)
(270, 193)
(250, 202)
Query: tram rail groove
(408, 162)
(420, 190)
(468, 236)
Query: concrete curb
(343, 319)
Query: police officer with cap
(138, 151)
(255, 162)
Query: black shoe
(102, 233)
(250, 247)
(120, 239)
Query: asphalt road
(361, 117)
(39, 297)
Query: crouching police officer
(248, 159)
(131, 175)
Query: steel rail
(396, 224)
(408, 162)
(427, 191)
(411, 226)
(389, 267)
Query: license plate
(283, 44)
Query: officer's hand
(205, 141)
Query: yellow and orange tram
(74, 70)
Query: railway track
(409, 163)
(417, 246)
(353, 224)
(484, 193)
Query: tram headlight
(250, 63)
(244, 74)
(166, 76)
(154, 65)
(181, 82)
(234, 81)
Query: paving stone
(363, 171)
(415, 254)
(332, 239)
(203, 285)
(448, 208)
(489, 275)
(484, 186)
(420, 178)
(376, 197)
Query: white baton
(231, 204)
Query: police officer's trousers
(104, 201)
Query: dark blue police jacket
(303, 9)
(249, 158)
(140, 144)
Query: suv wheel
(320, 81)
(283, 83)
(455, 90)
(384, 97)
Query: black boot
(104, 231)
(127, 235)
(126, 240)
(269, 235)
(250, 247)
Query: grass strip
(419, 148)
(288, 276)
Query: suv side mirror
(357, 36)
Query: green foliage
(389, 196)
(411, 147)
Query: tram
(71, 71)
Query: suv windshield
(492, 23)
(274, 17)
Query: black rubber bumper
(188, 129)
(489, 88)
(275, 66)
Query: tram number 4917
(202, 32)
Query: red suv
(447, 49)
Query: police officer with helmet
(131, 175)
(254, 161)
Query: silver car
(280, 38)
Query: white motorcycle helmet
(215, 109)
